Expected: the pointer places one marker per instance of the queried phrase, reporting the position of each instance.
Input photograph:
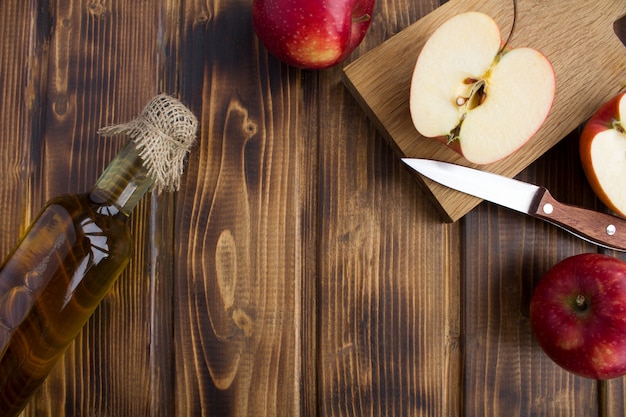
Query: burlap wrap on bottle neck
(163, 133)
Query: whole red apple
(603, 153)
(578, 315)
(311, 34)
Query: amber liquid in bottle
(59, 272)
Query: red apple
(311, 34)
(603, 153)
(578, 315)
(483, 101)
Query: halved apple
(603, 153)
(482, 100)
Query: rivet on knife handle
(599, 228)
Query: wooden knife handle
(598, 228)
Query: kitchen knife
(598, 228)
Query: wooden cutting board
(577, 36)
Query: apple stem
(618, 126)
(506, 43)
(581, 302)
(361, 19)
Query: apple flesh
(603, 153)
(578, 315)
(482, 101)
(311, 34)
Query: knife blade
(598, 228)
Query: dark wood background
(300, 271)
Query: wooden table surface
(336, 289)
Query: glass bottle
(59, 272)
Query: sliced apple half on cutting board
(474, 94)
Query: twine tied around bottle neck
(163, 134)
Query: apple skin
(606, 118)
(311, 34)
(589, 341)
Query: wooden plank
(24, 36)
(239, 239)
(312, 220)
(388, 300)
(97, 76)
(505, 254)
(563, 30)
(613, 392)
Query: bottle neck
(124, 182)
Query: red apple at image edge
(603, 153)
(578, 315)
(311, 34)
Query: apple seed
(475, 96)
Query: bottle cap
(163, 134)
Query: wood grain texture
(24, 30)
(300, 271)
(239, 253)
(388, 278)
(563, 31)
(88, 78)
(23, 64)
(506, 371)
